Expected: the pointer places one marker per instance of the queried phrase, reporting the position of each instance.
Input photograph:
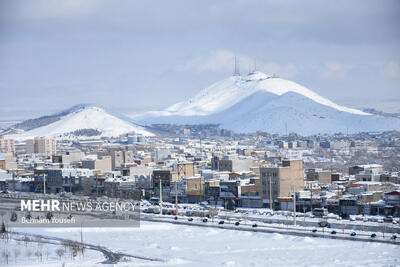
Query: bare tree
(75, 250)
(28, 253)
(6, 255)
(60, 252)
(26, 240)
(17, 252)
(2, 213)
(47, 252)
(39, 254)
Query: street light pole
(294, 205)
(97, 186)
(161, 204)
(176, 197)
(200, 191)
(270, 193)
(311, 189)
(13, 180)
(70, 183)
(44, 184)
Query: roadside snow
(197, 246)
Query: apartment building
(69, 180)
(118, 158)
(235, 163)
(195, 185)
(41, 145)
(281, 180)
(7, 145)
(186, 169)
(165, 175)
(317, 174)
(367, 168)
(103, 164)
(7, 161)
(68, 157)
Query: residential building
(195, 188)
(235, 164)
(322, 176)
(281, 180)
(7, 145)
(186, 169)
(41, 145)
(68, 157)
(367, 168)
(121, 157)
(7, 161)
(392, 200)
(165, 175)
(68, 180)
(103, 164)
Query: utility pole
(270, 192)
(13, 180)
(160, 198)
(70, 183)
(215, 200)
(201, 148)
(97, 186)
(311, 189)
(176, 197)
(44, 184)
(200, 191)
(294, 205)
(81, 234)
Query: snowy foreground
(197, 246)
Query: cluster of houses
(219, 171)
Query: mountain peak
(79, 107)
(79, 118)
(257, 76)
(261, 102)
(223, 94)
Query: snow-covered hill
(228, 92)
(293, 112)
(80, 122)
(258, 102)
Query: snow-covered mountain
(228, 92)
(79, 122)
(259, 102)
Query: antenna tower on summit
(236, 69)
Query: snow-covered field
(20, 253)
(197, 246)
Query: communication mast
(236, 69)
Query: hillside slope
(80, 122)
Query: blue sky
(142, 55)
